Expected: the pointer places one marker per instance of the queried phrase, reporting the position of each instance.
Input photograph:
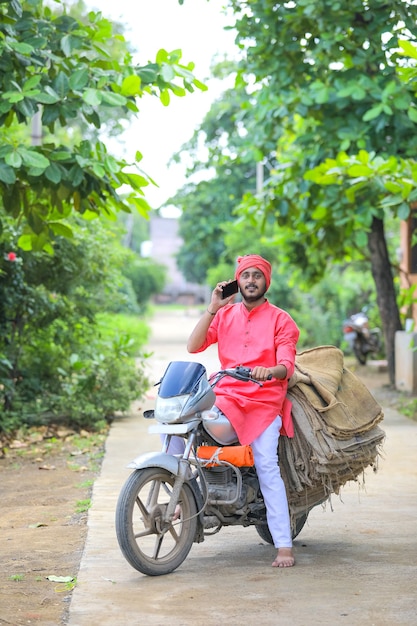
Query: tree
(326, 84)
(61, 68)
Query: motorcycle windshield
(180, 378)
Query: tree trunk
(386, 298)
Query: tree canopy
(57, 69)
(328, 110)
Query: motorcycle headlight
(169, 410)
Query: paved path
(356, 564)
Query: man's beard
(253, 297)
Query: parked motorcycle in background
(361, 339)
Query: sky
(197, 28)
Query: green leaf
(371, 114)
(99, 170)
(403, 211)
(92, 97)
(393, 187)
(51, 92)
(53, 173)
(13, 159)
(34, 159)
(36, 171)
(46, 98)
(25, 242)
(6, 149)
(200, 85)
(76, 175)
(79, 79)
(113, 99)
(161, 56)
(359, 170)
(412, 114)
(409, 49)
(131, 85)
(136, 181)
(164, 97)
(148, 74)
(22, 48)
(358, 93)
(167, 73)
(60, 155)
(361, 238)
(7, 174)
(319, 213)
(61, 229)
(50, 115)
(13, 96)
(66, 45)
(31, 83)
(61, 85)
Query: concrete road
(356, 558)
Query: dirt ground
(45, 490)
(46, 482)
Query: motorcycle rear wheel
(264, 532)
(150, 545)
(358, 352)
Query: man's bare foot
(284, 558)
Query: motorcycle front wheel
(149, 544)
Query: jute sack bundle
(345, 405)
(335, 429)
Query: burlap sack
(336, 436)
(345, 404)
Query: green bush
(147, 277)
(58, 360)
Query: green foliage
(147, 279)
(111, 327)
(326, 101)
(408, 407)
(57, 69)
(55, 363)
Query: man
(259, 335)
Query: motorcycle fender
(171, 464)
(156, 459)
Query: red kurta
(265, 336)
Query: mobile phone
(230, 289)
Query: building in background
(163, 246)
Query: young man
(259, 335)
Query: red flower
(11, 256)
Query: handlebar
(238, 373)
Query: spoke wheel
(151, 545)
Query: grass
(112, 326)
(17, 577)
(408, 407)
(83, 506)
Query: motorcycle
(361, 339)
(170, 500)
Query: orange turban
(254, 260)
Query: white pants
(265, 452)
(176, 445)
